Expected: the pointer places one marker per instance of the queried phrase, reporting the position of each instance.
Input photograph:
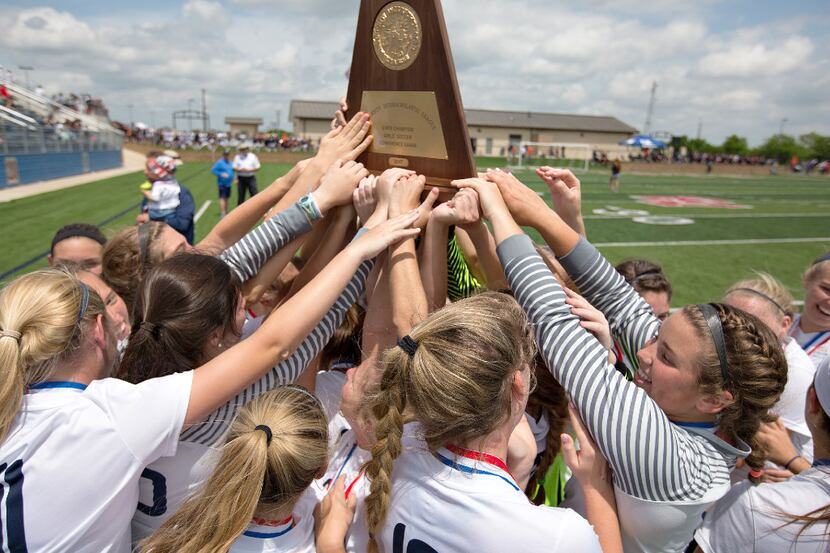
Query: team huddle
(350, 362)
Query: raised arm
(631, 319)
(226, 375)
(607, 403)
(248, 256)
(242, 219)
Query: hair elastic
(646, 274)
(11, 334)
(84, 301)
(409, 345)
(143, 242)
(152, 329)
(763, 295)
(267, 430)
(710, 313)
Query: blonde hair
(778, 299)
(458, 384)
(253, 474)
(45, 309)
(815, 271)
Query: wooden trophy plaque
(403, 74)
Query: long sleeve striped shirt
(210, 431)
(246, 257)
(652, 458)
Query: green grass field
(785, 226)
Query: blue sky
(738, 66)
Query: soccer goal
(536, 154)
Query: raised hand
(406, 194)
(348, 142)
(588, 465)
(340, 116)
(592, 318)
(338, 184)
(364, 198)
(333, 516)
(462, 211)
(380, 237)
(492, 203)
(566, 193)
(387, 180)
(524, 204)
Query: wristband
(790, 462)
(310, 208)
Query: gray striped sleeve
(247, 256)
(631, 319)
(652, 458)
(212, 430)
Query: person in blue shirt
(223, 169)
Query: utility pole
(781, 126)
(204, 111)
(153, 119)
(279, 119)
(650, 112)
(130, 107)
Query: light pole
(130, 107)
(781, 126)
(153, 119)
(189, 110)
(26, 69)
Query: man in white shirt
(246, 166)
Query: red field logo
(689, 201)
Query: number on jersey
(414, 546)
(11, 495)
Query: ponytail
(276, 447)
(388, 405)
(215, 517)
(43, 316)
(454, 375)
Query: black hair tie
(267, 430)
(409, 345)
(710, 313)
(152, 329)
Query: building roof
(243, 120)
(310, 109)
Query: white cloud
(758, 59)
(591, 56)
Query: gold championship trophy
(403, 74)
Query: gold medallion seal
(397, 36)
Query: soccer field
(774, 224)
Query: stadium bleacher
(41, 139)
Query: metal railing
(16, 139)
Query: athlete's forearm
(242, 219)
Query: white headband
(822, 385)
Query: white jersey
(752, 519)
(70, 465)
(790, 408)
(815, 344)
(292, 535)
(347, 458)
(453, 502)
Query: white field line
(711, 242)
(202, 211)
(714, 215)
